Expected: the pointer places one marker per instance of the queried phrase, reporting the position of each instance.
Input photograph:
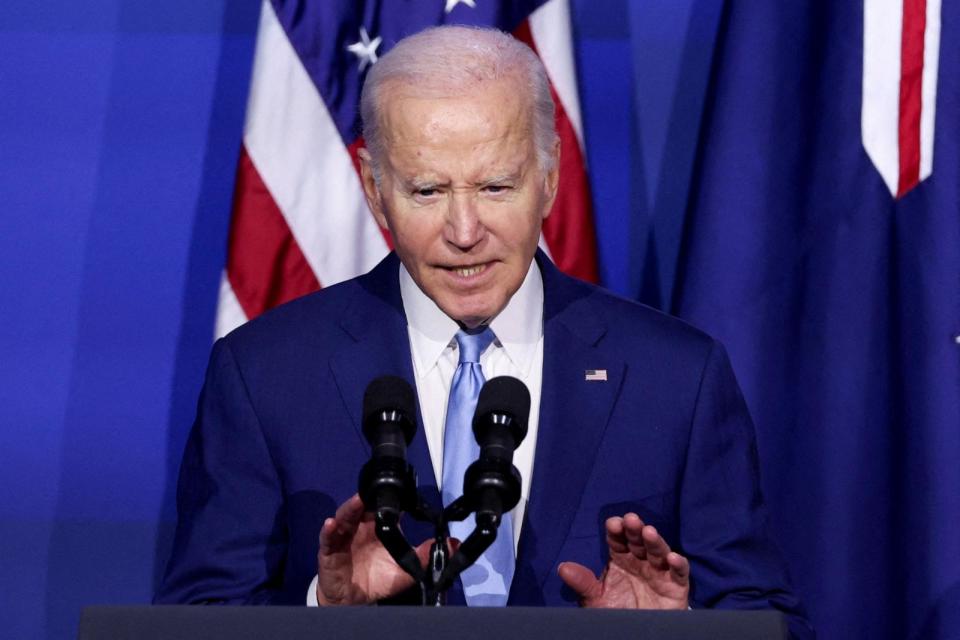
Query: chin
(471, 316)
(467, 318)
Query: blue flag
(822, 247)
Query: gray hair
(423, 61)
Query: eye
(496, 188)
(426, 192)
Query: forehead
(491, 117)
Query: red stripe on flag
(265, 265)
(911, 85)
(352, 149)
(569, 230)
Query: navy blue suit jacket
(277, 446)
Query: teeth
(469, 271)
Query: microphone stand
(387, 529)
(443, 568)
(439, 559)
(483, 535)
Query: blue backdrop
(120, 124)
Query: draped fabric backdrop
(823, 247)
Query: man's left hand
(643, 573)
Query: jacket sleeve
(723, 521)
(230, 541)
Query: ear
(552, 180)
(370, 189)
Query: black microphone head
(503, 395)
(392, 398)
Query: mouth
(468, 271)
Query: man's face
(462, 194)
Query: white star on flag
(365, 49)
(453, 3)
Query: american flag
(299, 219)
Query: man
(640, 464)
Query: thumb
(580, 579)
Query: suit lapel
(377, 323)
(573, 416)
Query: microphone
(388, 484)
(492, 483)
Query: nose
(464, 228)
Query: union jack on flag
(299, 218)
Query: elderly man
(640, 463)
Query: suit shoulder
(624, 316)
(308, 320)
(637, 332)
(664, 325)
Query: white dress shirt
(517, 351)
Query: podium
(419, 623)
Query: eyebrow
(416, 183)
(420, 183)
(504, 177)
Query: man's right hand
(352, 566)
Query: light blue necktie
(487, 582)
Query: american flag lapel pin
(595, 375)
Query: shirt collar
(518, 327)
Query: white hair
(451, 60)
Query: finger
(616, 536)
(632, 521)
(350, 512)
(332, 539)
(633, 531)
(337, 532)
(656, 547)
(679, 568)
(333, 565)
(581, 580)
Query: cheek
(413, 238)
(520, 227)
